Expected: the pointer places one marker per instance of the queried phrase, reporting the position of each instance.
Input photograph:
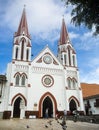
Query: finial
(24, 5)
(63, 16)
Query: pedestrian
(64, 120)
(76, 115)
(65, 114)
(57, 115)
(46, 112)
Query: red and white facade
(44, 82)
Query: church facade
(46, 82)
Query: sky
(44, 22)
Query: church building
(45, 82)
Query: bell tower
(22, 41)
(66, 52)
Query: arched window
(69, 83)
(27, 55)
(17, 80)
(65, 59)
(74, 83)
(16, 53)
(22, 50)
(59, 50)
(69, 56)
(73, 60)
(23, 80)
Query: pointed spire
(64, 34)
(23, 26)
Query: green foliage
(85, 12)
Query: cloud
(94, 61)
(91, 72)
(90, 77)
(87, 41)
(44, 16)
(73, 35)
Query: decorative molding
(28, 45)
(66, 87)
(29, 63)
(11, 84)
(75, 99)
(29, 85)
(16, 42)
(47, 53)
(47, 70)
(19, 95)
(20, 74)
(39, 60)
(13, 62)
(71, 73)
(54, 62)
(22, 68)
(73, 51)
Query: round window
(47, 59)
(47, 80)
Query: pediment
(46, 58)
(41, 59)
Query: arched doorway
(47, 104)
(72, 105)
(16, 109)
(47, 97)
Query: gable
(46, 59)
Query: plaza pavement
(43, 124)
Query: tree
(85, 12)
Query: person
(76, 115)
(65, 113)
(46, 112)
(64, 126)
(57, 115)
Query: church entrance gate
(47, 100)
(47, 104)
(16, 108)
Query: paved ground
(39, 124)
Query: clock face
(47, 59)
